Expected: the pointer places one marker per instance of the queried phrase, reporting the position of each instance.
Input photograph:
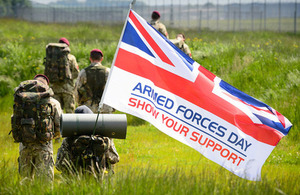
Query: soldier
(180, 43)
(91, 82)
(157, 24)
(35, 122)
(62, 73)
(88, 153)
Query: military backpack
(57, 65)
(96, 78)
(32, 119)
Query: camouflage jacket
(81, 95)
(67, 158)
(160, 27)
(68, 85)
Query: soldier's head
(180, 36)
(64, 40)
(155, 15)
(83, 110)
(96, 55)
(42, 78)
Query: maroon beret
(97, 51)
(156, 12)
(41, 75)
(64, 40)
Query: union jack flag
(154, 80)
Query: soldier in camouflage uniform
(180, 43)
(36, 158)
(88, 159)
(91, 82)
(157, 24)
(64, 91)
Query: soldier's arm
(74, 66)
(56, 119)
(112, 155)
(79, 85)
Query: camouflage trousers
(67, 101)
(36, 160)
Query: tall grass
(265, 65)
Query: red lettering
(185, 130)
(148, 108)
(233, 156)
(176, 125)
(169, 124)
(210, 143)
(200, 140)
(225, 156)
(241, 159)
(132, 100)
(139, 104)
(217, 147)
(195, 136)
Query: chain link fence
(216, 15)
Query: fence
(280, 15)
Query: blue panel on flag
(270, 123)
(242, 96)
(185, 58)
(132, 38)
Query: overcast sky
(159, 2)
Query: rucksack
(89, 151)
(32, 119)
(95, 82)
(57, 65)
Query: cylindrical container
(108, 125)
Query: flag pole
(118, 47)
(132, 4)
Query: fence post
(233, 28)
(217, 15)
(295, 18)
(172, 14)
(279, 16)
(265, 15)
(200, 21)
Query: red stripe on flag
(198, 93)
(281, 119)
(149, 39)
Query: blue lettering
(221, 130)
(180, 109)
(161, 100)
(204, 119)
(197, 117)
(240, 143)
(138, 87)
(212, 126)
(169, 103)
(188, 114)
(247, 145)
(232, 138)
(147, 89)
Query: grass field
(265, 65)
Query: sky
(160, 2)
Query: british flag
(154, 80)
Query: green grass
(265, 65)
